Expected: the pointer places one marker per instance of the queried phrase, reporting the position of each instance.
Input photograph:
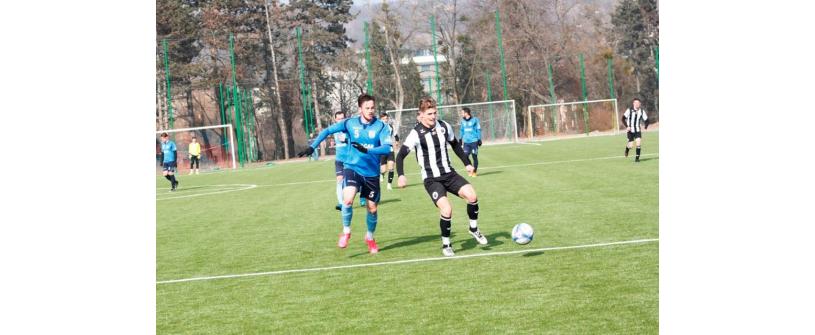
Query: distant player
(194, 151)
(634, 119)
(470, 133)
(341, 147)
(368, 138)
(168, 159)
(386, 161)
(430, 138)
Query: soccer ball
(522, 233)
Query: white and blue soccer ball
(522, 233)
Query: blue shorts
(168, 166)
(338, 168)
(471, 148)
(368, 187)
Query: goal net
(498, 120)
(594, 117)
(217, 149)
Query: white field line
(406, 261)
(229, 188)
(480, 168)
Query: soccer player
(368, 138)
(430, 138)
(470, 132)
(634, 119)
(341, 147)
(194, 154)
(168, 159)
(386, 161)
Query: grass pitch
(573, 192)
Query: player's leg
(349, 192)
(639, 142)
(338, 167)
(474, 151)
(390, 170)
(630, 143)
(466, 191)
(165, 170)
(197, 163)
(192, 164)
(437, 193)
(370, 190)
(467, 153)
(171, 172)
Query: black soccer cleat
(175, 186)
(636, 160)
(626, 152)
(338, 207)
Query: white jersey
(431, 148)
(634, 118)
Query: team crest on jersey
(441, 130)
(371, 134)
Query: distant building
(427, 68)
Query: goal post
(498, 119)
(569, 118)
(217, 146)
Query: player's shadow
(481, 174)
(645, 159)
(388, 200)
(533, 253)
(404, 242)
(493, 240)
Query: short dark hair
(164, 135)
(363, 98)
(338, 113)
(467, 110)
(636, 99)
(383, 114)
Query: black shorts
(438, 187)
(168, 166)
(632, 136)
(338, 167)
(385, 158)
(368, 187)
(471, 148)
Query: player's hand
(402, 181)
(628, 129)
(308, 151)
(359, 147)
(469, 168)
(479, 143)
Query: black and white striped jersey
(636, 119)
(430, 145)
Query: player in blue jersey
(168, 160)
(341, 147)
(368, 139)
(470, 133)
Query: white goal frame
(614, 101)
(229, 129)
(459, 106)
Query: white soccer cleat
(478, 237)
(447, 251)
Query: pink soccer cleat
(343, 242)
(372, 248)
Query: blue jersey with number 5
(375, 136)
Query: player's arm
(384, 140)
(478, 131)
(400, 160)
(645, 117)
(335, 128)
(456, 144)
(624, 118)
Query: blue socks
(347, 212)
(371, 221)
